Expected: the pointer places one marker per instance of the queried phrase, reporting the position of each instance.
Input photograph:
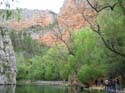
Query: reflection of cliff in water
(7, 89)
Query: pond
(37, 89)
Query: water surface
(38, 89)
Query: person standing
(106, 84)
(113, 85)
(96, 82)
(102, 82)
(118, 85)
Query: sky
(53, 5)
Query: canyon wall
(73, 12)
(7, 59)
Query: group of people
(109, 84)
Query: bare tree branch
(102, 7)
(60, 37)
(107, 45)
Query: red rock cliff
(32, 17)
(71, 14)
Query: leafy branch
(96, 28)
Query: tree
(88, 73)
(110, 27)
(111, 36)
(80, 46)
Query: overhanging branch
(96, 28)
(102, 7)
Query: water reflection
(7, 89)
(41, 89)
(38, 89)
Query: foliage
(22, 42)
(89, 73)
(23, 66)
(112, 27)
(114, 34)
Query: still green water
(38, 89)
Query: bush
(88, 73)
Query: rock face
(7, 59)
(72, 14)
(32, 18)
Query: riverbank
(39, 82)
